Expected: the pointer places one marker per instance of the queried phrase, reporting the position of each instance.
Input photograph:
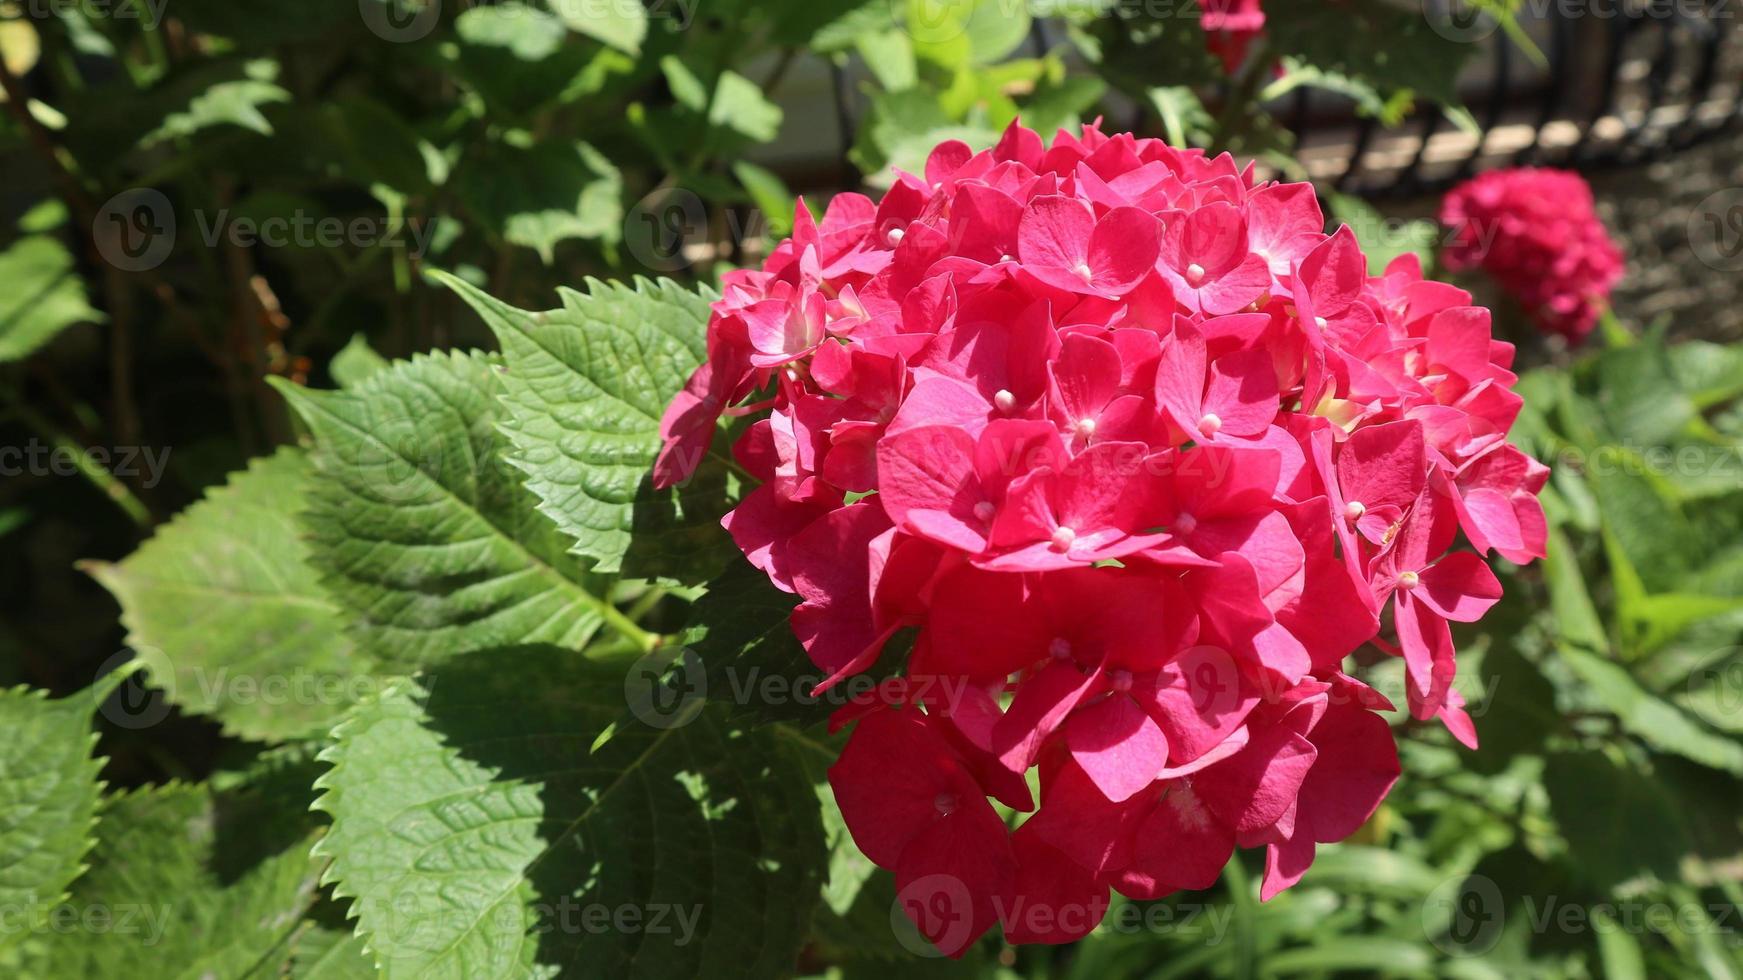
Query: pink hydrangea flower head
(1230, 27)
(1142, 456)
(1536, 231)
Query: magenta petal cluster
(1141, 455)
(1230, 27)
(1536, 232)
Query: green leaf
(1519, 712)
(1391, 49)
(620, 25)
(1185, 120)
(1389, 109)
(186, 884)
(1059, 104)
(48, 800)
(487, 817)
(1575, 616)
(585, 388)
(889, 54)
(355, 362)
(539, 196)
(369, 143)
(236, 102)
(1620, 823)
(689, 91)
(1374, 870)
(1655, 620)
(525, 32)
(770, 194)
(1637, 395)
(224, 596)
(418, 527)
(1368, 954)
(1713, 691)
(901, 128)
(739, 105)
(319, 953)
(43, 295)
(19, 47)
(956, 33)
(739, 631)
(1655, 722)
(1711, 374)
(1645, 524)
(515, 55)
(1617, 948)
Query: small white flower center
(1185, 523)
(1320, 322)
(1354, 510)
(1063, 538)
(1004, 401)
(1210, 424)
(1408, 580)
(1083, 271)
(894, 235)
(984, 510)
(1195, 274)
(1085, 427)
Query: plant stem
(1241, 896)
(645, 602)
(626, 627)
(1241, 98)
(99, 477)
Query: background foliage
(379, 698)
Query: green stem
(1245, 929)
(99, 477)
(1243, 99)
(626, 627)
(645, 602)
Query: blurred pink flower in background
(1537, 233)
(1230, 27)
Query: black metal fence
(1619, 82)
